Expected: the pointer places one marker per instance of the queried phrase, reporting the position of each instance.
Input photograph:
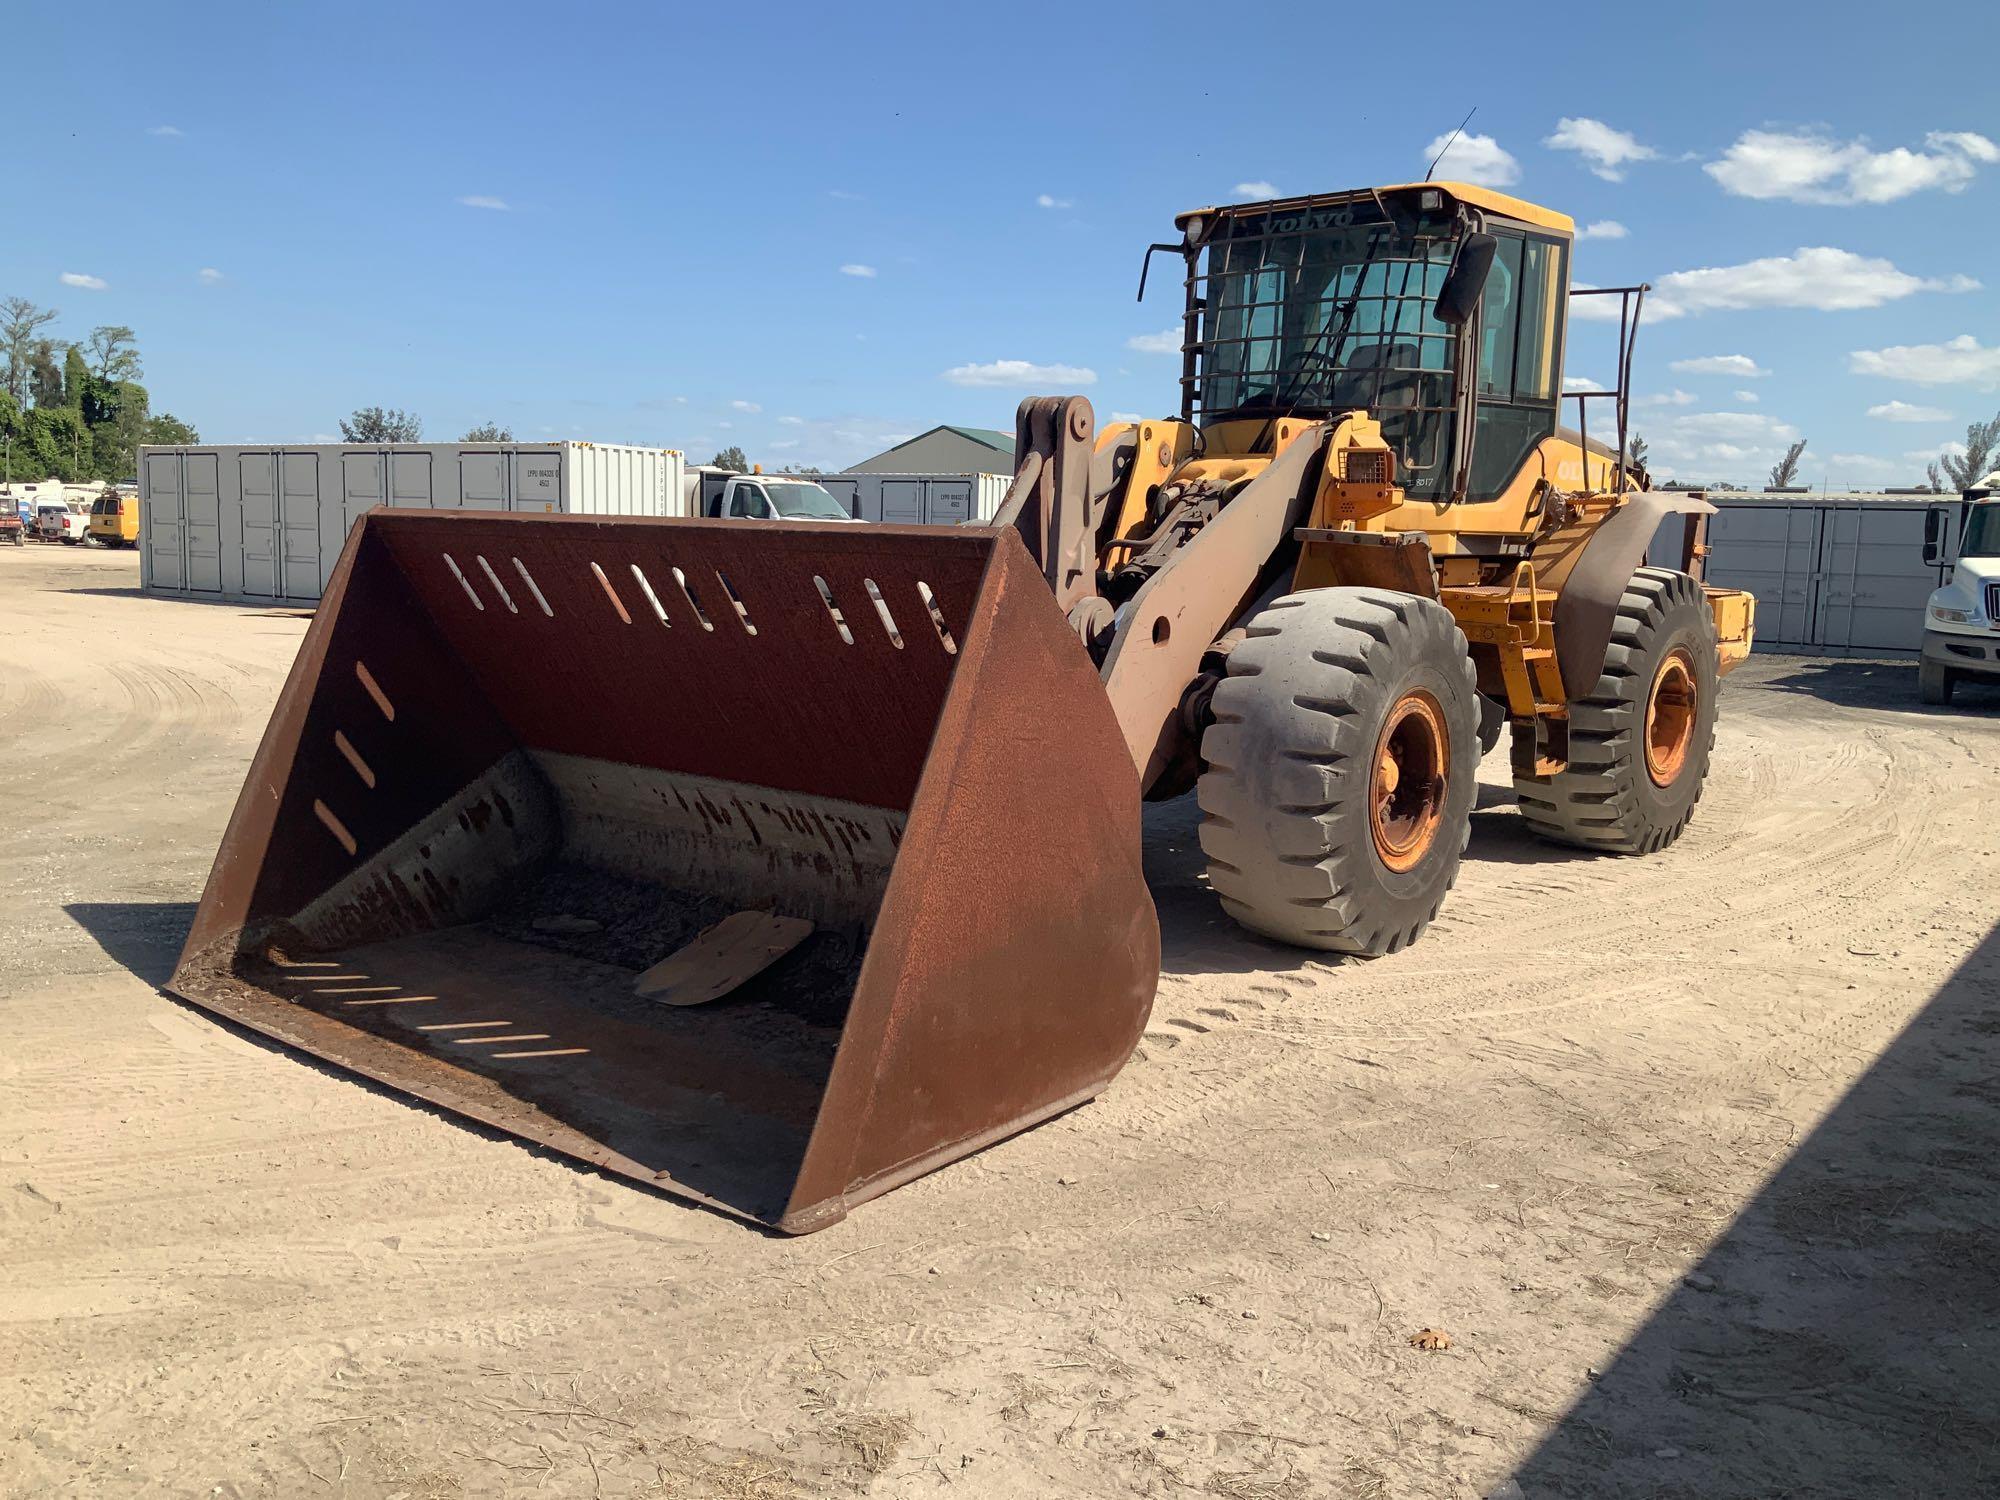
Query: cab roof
(1465, 192)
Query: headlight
(1949, 616)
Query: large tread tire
(1290, 774)
(1934, 683)
(1607, 799)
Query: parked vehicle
(65, 521)
(15, 518)
(765, 497)
(114, 519)
(1962, 621)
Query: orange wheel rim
(1407, 786)
(1671, 708)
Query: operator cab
(1380, 300)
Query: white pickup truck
(763, 497)
(1962, 621)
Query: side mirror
(1466, 280)
(1933, 537)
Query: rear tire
(1341, 769)
(1935, 682)
(1639, 740)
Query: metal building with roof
(945, 450)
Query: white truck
(758, 496)
(1962, 621)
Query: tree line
(69, 410)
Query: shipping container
(1836, 575)
(919, 499)
(264, 522)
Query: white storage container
(244, 522)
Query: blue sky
(811, 230)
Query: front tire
(1639, 740)
(1341, 769)
(1935, 683)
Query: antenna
(1448, 140)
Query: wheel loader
(776, 866)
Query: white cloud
(1049, 200)
(1748, 398)
(843, 195)
(1603, 229)
(680, 401)
(1817, 277)
(1734, 425)
(1017, 373)
(484, 200)
(1473, 158)
(1258, 189)
(1738, 441)
(1581, 383)
(1719, 364)
(1960, 361)
(1903, 411)
(791, 421)
(1166, 341)
(749, 406)
(1675, 397)
(209, 276)
(726, 426)
(852, 269)
(169, 131)
(1810, 166)
(783, 443)
(1127, 416)
(1927, 455)
(1607, 150)
(88, 283)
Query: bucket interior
(522, 762)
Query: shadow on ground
(1889, 685)
(1842, 1339)
(142, 936)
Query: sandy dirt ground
(1691, 1159)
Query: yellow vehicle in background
(114, 520)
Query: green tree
(1961, 471)
(732, 459)
(112, 347)
(804, 471)
(45, 372)
(1786, 470)
(1635, 452)
(57, 442)
(168, 428)
(21, 323)
(118, 413)
(488, 432)
(377, 424)
(76, 379)
(10, 430)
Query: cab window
(1520, 331)
(748, 500)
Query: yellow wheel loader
(775, 866)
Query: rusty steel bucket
(521, 759)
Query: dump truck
(776, 865)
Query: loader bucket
(521, 760)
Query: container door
(538, 482)
(201, 475)
(949, 501)
(257, 485)
(362, 487)
(1875, 585)
(846, 491)
(410, 479)
(166, 522)
(482, 481)
(903, 502)
(1773, 551)
(299, 541)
